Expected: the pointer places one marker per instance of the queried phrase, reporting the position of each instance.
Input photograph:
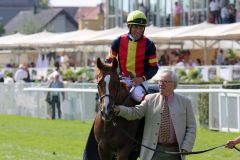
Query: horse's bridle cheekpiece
(111, 99)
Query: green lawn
(24, 138)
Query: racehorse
(111, 142)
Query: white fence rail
(29, 100)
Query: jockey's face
(137, 31)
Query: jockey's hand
(137, 81)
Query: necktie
(165, 124)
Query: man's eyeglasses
(164, 81)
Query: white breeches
(137, 92)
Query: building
(90, 17)
(160, 12)
(52, 20)
(10, 8)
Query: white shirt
(224, 12)
(213, 6)
(20, 75)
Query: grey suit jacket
(181, 114)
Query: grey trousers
(164, 156)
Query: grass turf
(24, 138)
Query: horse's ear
(115, 63)
(99, 63)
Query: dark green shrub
(68, 74)
(203, 109)
(193, 74)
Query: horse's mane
(124, 85)
(108, 68)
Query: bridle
(111, 98)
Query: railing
(29, 100)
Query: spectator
(55, 96)
(43, 81)
(210, 18)
(21, 74)
(173, 58)
(214, 9)
(225, 15)
(56, 71)
(232, 13)
(198, 62)
(219, 3)
(227, 61)
(178, 10)
(164, 59)
(220, 57)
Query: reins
(167, 152)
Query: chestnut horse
(111, 142)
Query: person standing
(178, 10)
(55, 96)
(136, 55)
(214, 9)
(21, 75)
(220, 57)
(170, 124)
(225, 15)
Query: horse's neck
(124, 97)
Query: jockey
(136, 55)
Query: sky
(75, 3)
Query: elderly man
(169, 120)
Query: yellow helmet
(137, 17)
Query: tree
(44, 4)
(2, 30)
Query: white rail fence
(29, 100)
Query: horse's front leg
(105, 153)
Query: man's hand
(230, 144)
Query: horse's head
(108, 87)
